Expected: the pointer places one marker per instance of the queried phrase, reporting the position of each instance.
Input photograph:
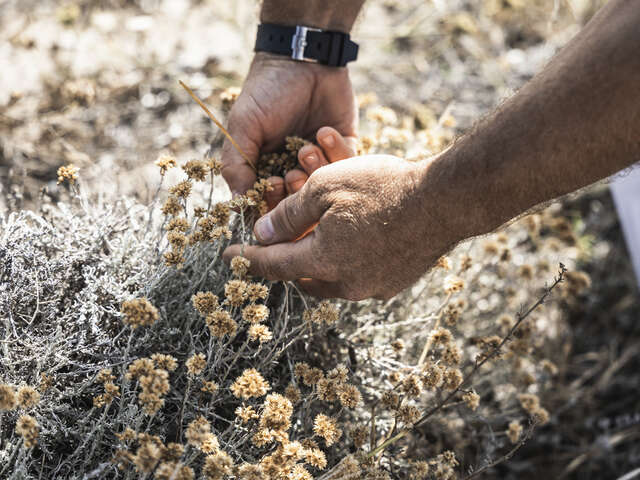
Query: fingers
(278, 193)
(320, 288)
(311, 158)
(283, 261)
(290, 219)
(335, 146)
(294, 180)
(237, 172)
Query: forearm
(575, 123)
(337, 15)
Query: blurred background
(95, 83)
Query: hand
(281, 97)
(376, 232)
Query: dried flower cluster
(256, 381)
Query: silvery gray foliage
(63, 276)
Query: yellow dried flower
(139, 312)
(250, 384)
(246, 414)
(276, 413)
(165, 162)
(471, 400)
(465, 263)
(105, 375)
(166, 362)
(196, 364)
(549, 367)
(177, 240)
(541, 415)
(147, 456)
(199, 432)
(327, 428)
(411, 386)
(217, 466)
(7, 397)
(298, 472)
(229, 96)
(419, 470)
(172, 452)
(196, 170)
(360, 435)
(260, 333)
(220, 323)
(46, 382)
(292, 393)
(236, 292)
(441, 336)
(127, 436)
(174, 259)
(382, 115)
(338, 374)
(453, 284)
(397, 345)
(249, 471)
(529, 402)
(451, 354)
(240, 266)
(205, 302)
(215, 165)
(312, 376)
(300, 369)
(326, 313)
(220, 232)
(443, 262)
(140, 367)
(68, 172)
(179, 224)
(172, 206)
(514, 431)
(349, 396)
(181, 189)
(408, 414)
(451, 314)
(27, 427)
(452, 379)
(209, 386)
(173, 471)
(255, 313)
(389, 400)
(294, 144)
(257, 291)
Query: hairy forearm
(337, 15)
(575, 123)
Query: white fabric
(626, 195)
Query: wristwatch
(307, 44)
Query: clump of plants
(130, 350)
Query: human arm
(382, 222)
(282, 97)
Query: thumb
(291, 218)
(239, 175)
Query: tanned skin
(382, 221)
(281, 97)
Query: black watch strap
(331, 48)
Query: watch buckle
(299, 43)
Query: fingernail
(264, 229)
(310, 159)
(329, 141)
